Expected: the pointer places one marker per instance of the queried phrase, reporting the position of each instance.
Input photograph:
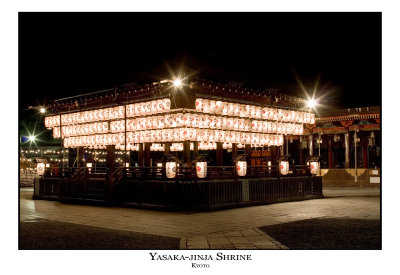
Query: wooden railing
(213, 172)
(149, 186)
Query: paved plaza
(223, 229)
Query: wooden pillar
(219, 154)
(311, 145)
(110, 158)
(147, 155)
(79, 157)
(141, 155)
(247, 150)
(347, 150)
(330, 156)
(364, 143)
(167, 147)
(186, 153)
(274, 158)
(301, 153)
(274, 154)
(195, 148)
(234, 150)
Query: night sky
(66, 54)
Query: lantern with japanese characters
(201, 169)
(284, 167)
(241, 168)
(170, 169)
(40, 168)
(314, 163)
(314, 167)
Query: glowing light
(177, 82)
(32, 138)
(311, 103)
(42, 110)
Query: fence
(148, 187)
(74, 183)
(346, 177)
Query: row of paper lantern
(170, 169)
(176, 146)
(252, 111)
(185, 120)
(81, 130)
(201, 169)
(104, 114)
(206, 122)
(241, 169)
(162, 105)
(119, 126)
(174, 136)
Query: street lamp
(311, 103)
(42, 110)
(177, 82)
(32, 138)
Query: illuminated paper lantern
(284, 167)
(312, 119)
(280, 140)
(300, 129)
(251, 111)
(292, 116)
(199, 104)
(314, 167)
(47, 122)
(283, 129)
(231, 107)
(225, 108)
(40, 168)
(264, 113)
(259, 126)
(308, 118)
(201, 169)
(206, 106)
(279, 128)
(192, 133)
(258, 112)
(272, 114)
(238, 109)
(218, 107)
(241, 168)
(286, 115)
(212, 106)
(235, 124)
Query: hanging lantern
(314, 167)
(212, 106)
(201, 169)
(199, 104)
(312, 120)
(284, 167)
(170, 169)
(40, 168)
(258, 112)
(241, 168)
(230, 107)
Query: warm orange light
(177, 82)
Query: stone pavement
(251, 238)
(225, 229)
